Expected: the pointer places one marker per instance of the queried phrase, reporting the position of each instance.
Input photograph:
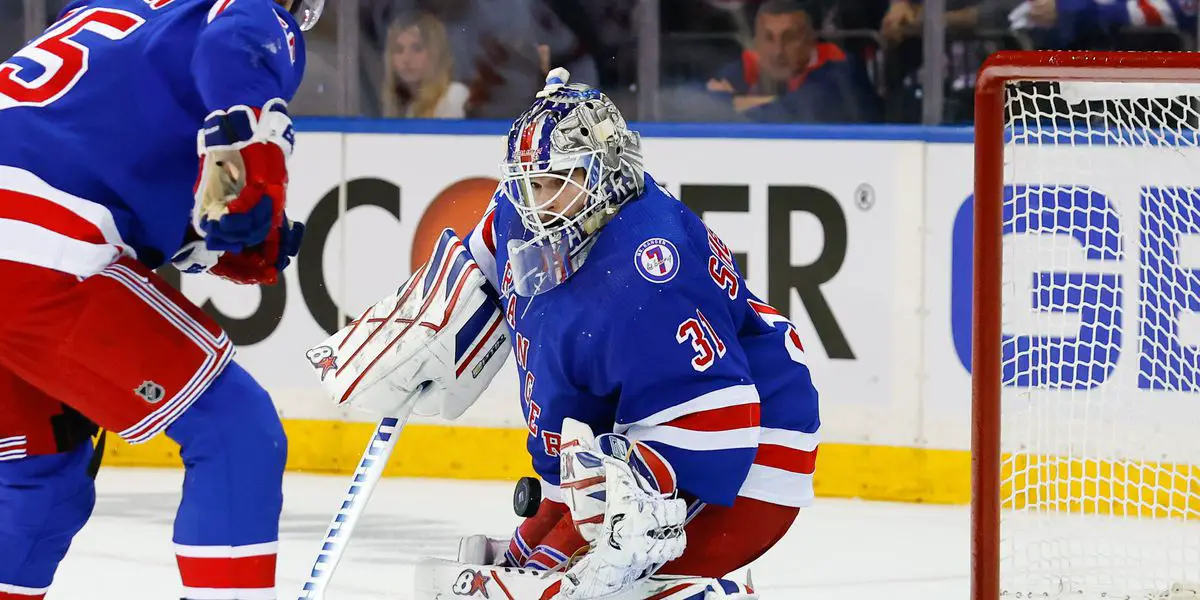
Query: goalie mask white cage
(1086, 356)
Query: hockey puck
(527, 497)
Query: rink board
(858, 233)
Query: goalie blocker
(431, 348)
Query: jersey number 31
(48, 67)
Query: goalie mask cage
(1086, 347)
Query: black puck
(527, 497)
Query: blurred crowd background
(794, 61)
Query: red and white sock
(228, 572)
(16, 592)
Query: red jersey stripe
(1153, 17)
(786, 459)
(489, 236)
(19, 206)
(727, 418)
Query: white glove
(641, 528)
(195, 257)
(442, 335)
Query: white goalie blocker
(430, 349)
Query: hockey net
(1087, 356)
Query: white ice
(838, 549)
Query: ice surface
(838, 549)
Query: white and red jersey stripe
(12, 448)
(9, 591)
(218, 7)
(481, 243)
(47, 227)
(1151, 13)
(724, 419)
(730, 419)
(228, 572)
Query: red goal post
(994, 85)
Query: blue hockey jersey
(99, 119)
(1172, 14)
(658, 337)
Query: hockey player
(629, 319)
(101, 118)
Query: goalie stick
(366, 475)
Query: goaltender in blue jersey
(628, 314)
(672, 418)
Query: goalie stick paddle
(370, 469)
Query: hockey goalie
(673, 422)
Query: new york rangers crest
(322, 358)
(657, 260)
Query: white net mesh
(1100, 480)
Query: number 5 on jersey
(48, 67)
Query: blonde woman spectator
(418, 68)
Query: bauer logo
(487, 357)
(1090, 281)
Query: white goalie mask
(571, 162)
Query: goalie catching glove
(621, 494)
(439, 337)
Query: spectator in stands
(418, 67)
(791, 76)
(904, 17)
(1078, 23)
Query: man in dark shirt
(791, 76)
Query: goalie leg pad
(438, 579)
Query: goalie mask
(307, 12)
(571, 162)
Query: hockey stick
(370, 469)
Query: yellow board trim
(441, 451)
(893, 473)
(1123, 488)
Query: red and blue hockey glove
(262, 263)
(242, 188)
